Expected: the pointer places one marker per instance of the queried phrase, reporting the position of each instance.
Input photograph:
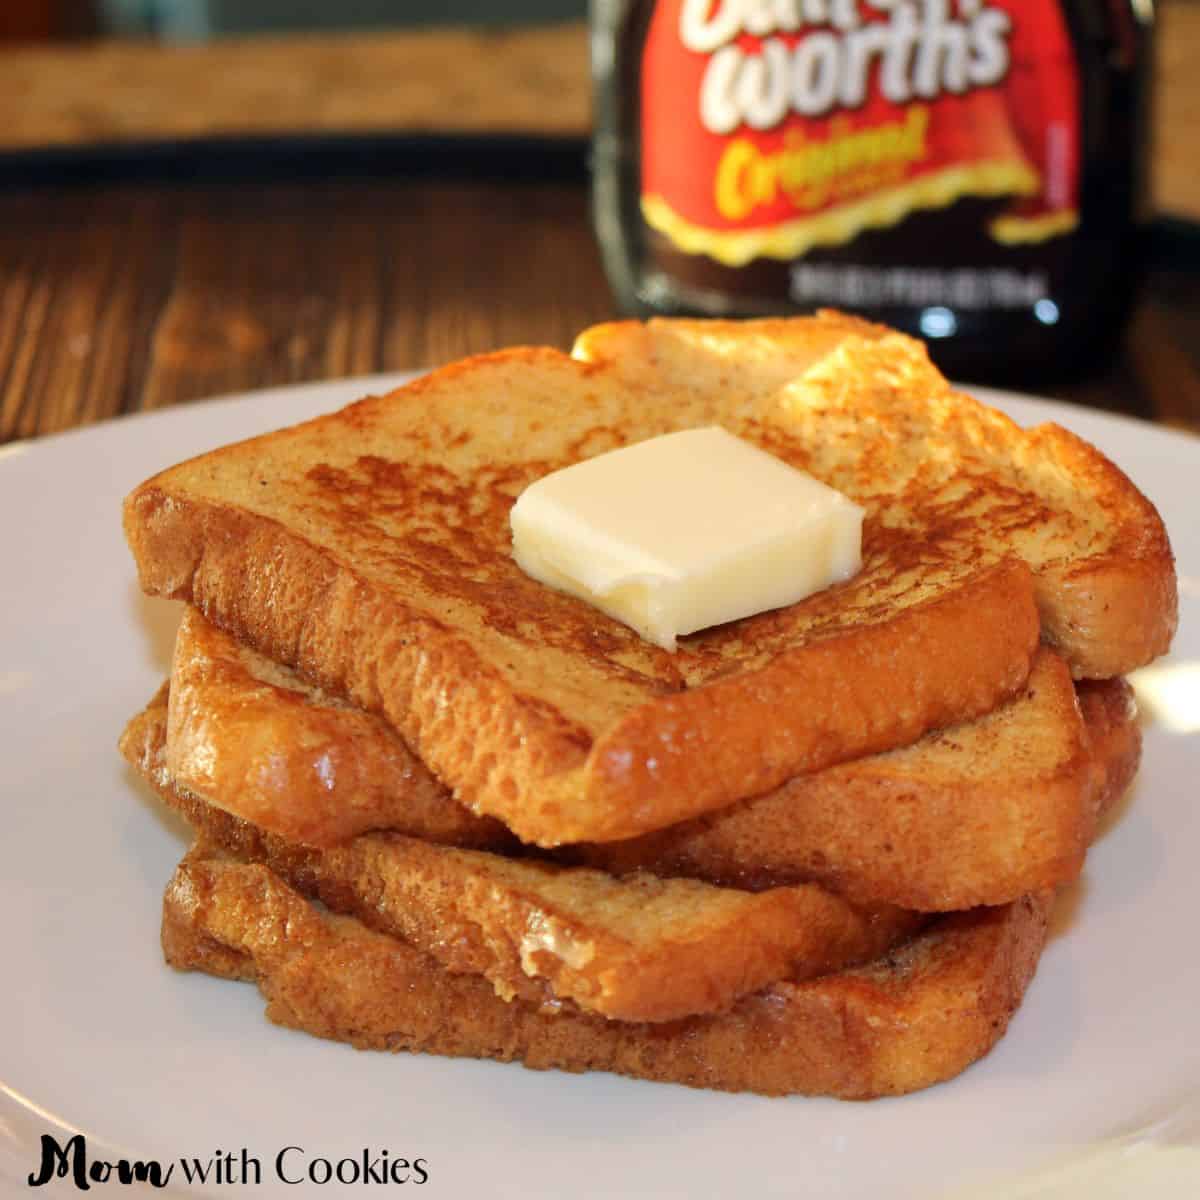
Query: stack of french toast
(439, 806)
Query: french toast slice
(638, 948)
(919, 1015)
(1103, 569)
(370, 550)
(979, 813)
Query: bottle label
(772, 128)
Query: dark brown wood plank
(81, 276)
(320, 282)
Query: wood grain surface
(120, 298)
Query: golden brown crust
(1111, 717)
(143, 741)
(1118, 608)
(639, 948)
(256, 739)
(677, 742)
(183, 939)
(979, 813)
(772, 350)
(909, 1020)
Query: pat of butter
(685, 531)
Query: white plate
(99, 1036)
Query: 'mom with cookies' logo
(292, 1165)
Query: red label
(773, 127)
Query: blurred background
(187, 19)
(208, 196)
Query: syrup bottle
(969, 171)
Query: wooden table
(138, 293)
